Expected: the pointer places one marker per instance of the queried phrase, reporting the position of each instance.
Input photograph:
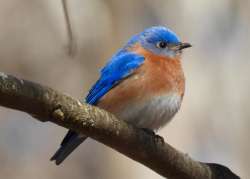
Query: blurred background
(214, 121)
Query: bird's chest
(150, 96)
(152, 113)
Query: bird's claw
(157, 138)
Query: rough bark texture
(46, 104)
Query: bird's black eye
(162, 44)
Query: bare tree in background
(72, 46)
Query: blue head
(159, 40)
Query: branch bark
(46, 104)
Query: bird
(143, 84)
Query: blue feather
(159, 33)
(118, 68)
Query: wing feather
(117, 69)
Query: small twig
(72, 46)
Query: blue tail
(71, 141)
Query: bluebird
(142, 84)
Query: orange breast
(156, 76)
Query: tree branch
(46, 104)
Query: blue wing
(118, 68)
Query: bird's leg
(154, 135)
(148, 131)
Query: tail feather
(70, 142)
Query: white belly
(153, 113)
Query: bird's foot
(149, 131)
(157, 138)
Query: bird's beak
(184, 45)
(179, 46)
